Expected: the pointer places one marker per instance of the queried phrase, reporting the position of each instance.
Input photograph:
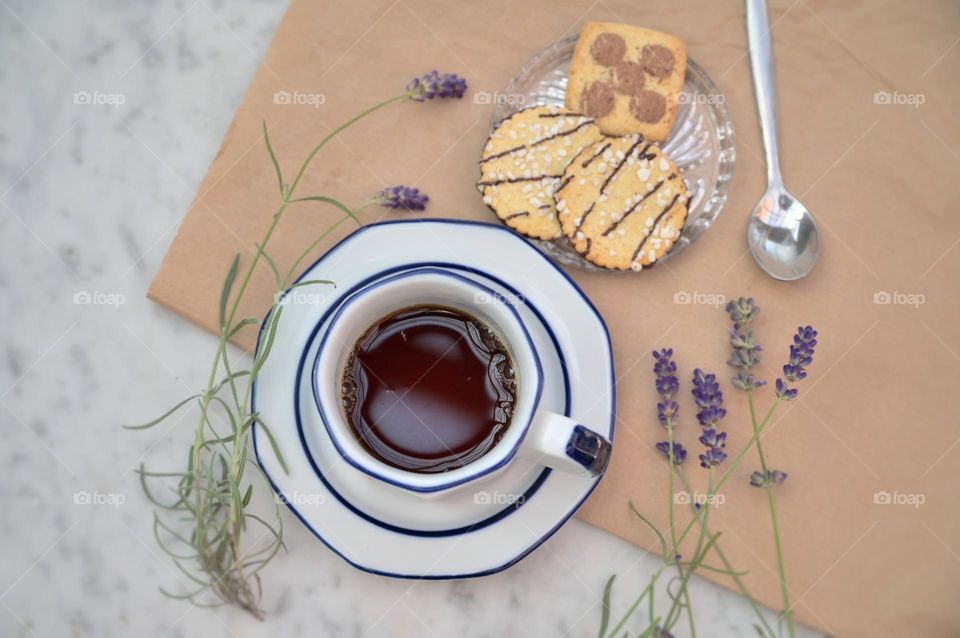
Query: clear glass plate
(700, 144)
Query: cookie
(622, 203)
(523, 162)
(628, 78)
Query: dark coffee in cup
(429, 389)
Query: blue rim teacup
(540, 435)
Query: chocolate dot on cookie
(598, 99)
(657, 60)
(608, 49)
(630, 78)
(648, 106)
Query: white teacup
(540, 435)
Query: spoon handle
(761, 64)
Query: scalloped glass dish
(700, 144)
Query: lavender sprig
(746, 352)
(801, 356)
(706, 392)
(432, 84)
(665, 369)
(212, 493)
(667, 383)
(403, 197)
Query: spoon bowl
(782, 235)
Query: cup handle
(563, 444)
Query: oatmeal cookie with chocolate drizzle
(628, 78)
(623, 203)
(523, 162)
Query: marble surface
(110, 113)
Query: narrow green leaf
(247, 496)
(605, 607)
(660, 538)
(271, 263)
(273, 444)
(232, 376)
(261, 356)
(227, 287)
(273, 158)
(332, 202)
(249, 321)
(164, 416)
(313, 282)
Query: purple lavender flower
(660, 632)
(432, 85)
(742, 312)
(709, 398)
(665, 369)
(713, 457)
(746, 352)
(679, 453)
(402, 197)
(771, 477)
(713, 438)
(801, 356)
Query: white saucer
(479, 531)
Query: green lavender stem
(671, 468)
(729, 570)
(771, 497)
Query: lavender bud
(714, 456)
(402, 197)
(432, 85)
(771, 477)
(679, 453)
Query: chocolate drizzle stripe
(589, 246)
(514, 180)
(620, 165)
(562, 114)
(515, 215)
(587, 163)
(563, 183)
(538, 142)
(633, 208)
(583, 217)
(654, 227)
